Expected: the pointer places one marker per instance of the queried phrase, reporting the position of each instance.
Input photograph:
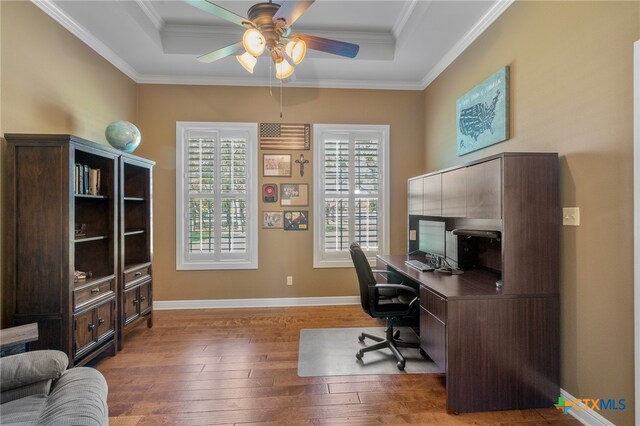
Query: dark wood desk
(499, 351)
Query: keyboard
(420, 266)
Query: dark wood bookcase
(135, 262)
(68, 247)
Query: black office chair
(382, 300)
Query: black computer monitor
(432, 237)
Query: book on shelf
(77, 178)
(94, 181)
(85, 176)
(87, 180)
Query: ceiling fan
(268, 27)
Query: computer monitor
(432, 237)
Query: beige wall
(54, 83)
(571, 92)
(280, 253)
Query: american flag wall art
(285, 136)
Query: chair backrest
(365, 275)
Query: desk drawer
(433, 303)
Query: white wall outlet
(571, 216)
(289, 280)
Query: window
(216, 198)
(351, 197)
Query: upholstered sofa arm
(29, 368)
(79, 397)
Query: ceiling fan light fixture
(283, 69)
(253, 42)
(248, 61)
(296, 49)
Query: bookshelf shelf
(88, 239)
(94, 197)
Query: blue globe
(123, 135)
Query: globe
(123, 135)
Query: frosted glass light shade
(296, 49)
(247, 60)
(283, 69)
(253, 42)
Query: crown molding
(72, 26)
(198, 39)
(492, 14)
(405, 14)
(252, 81)
(147, 7)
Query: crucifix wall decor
(302, 162)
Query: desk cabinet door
(484, 190)
(433, 338)
(415, 196)
(432, 195)
(454, 193)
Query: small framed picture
(269, 193)
(272, 220)
(276, 165)
(294, 194)
(297, 220)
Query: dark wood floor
(239, 366)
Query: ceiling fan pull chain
(280, 98)
(270, 73)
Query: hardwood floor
(239, 367)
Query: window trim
(182, 196)
(318, 193)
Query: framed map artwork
(482, 114)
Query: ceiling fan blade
(335, 47)
(218, 11)
(291, 10)
(221, 53)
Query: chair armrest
(397, 287)
(31, 367)
(390, 273)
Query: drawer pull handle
(137, 274)
(95, 290)
(142, 298)
(100, 320)
(91, 327)
(135, 301)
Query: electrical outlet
(289, 280)
(571, 216)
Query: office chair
(381, 300)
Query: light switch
(571, 216)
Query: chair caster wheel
(396, 335)
(358, 355)
(361, 338)
(423, 353)
(400, 365)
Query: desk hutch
(499, 345)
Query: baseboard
(255, 303)
(586, 417)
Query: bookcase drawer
(92, 292)
(136, 274)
